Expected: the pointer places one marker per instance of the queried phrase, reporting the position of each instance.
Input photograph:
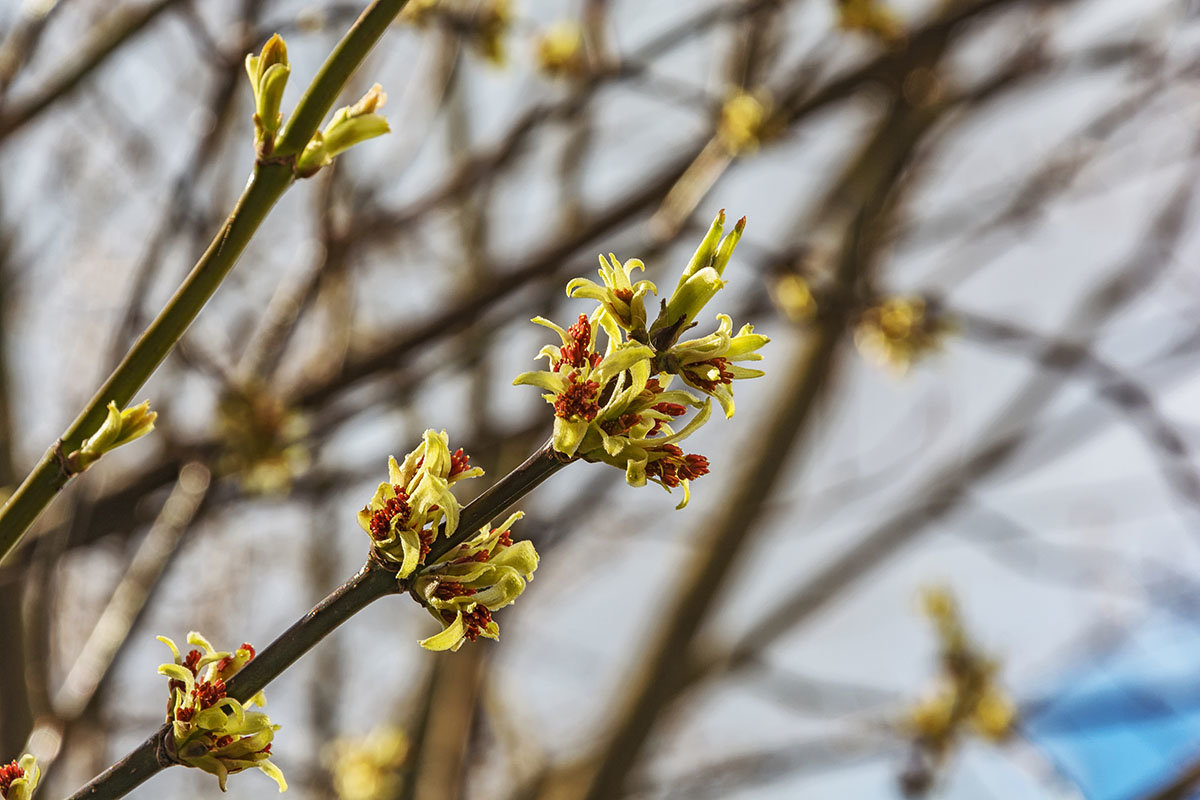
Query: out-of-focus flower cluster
(871, 17)
(262, 441)
(966, 699)
(743, 123)
(560, 49)
(615, 403)
(19, 778)
(900, 331)
(368, 767)
(484, 24)
(464, 585)
(210, 730)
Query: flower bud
(118, 428)
(349, 126)
(268, 72)
(690, 298)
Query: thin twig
(266, 186)
(372, 582)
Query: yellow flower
(19, 778)
(482, 575)
(618, 407)
(404, 516)
(210, 730)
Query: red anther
(249, 648)
(623, 294)
(451, 589)
(697, 375)
(266, 749)
(208, 693)
(622, 424)
(579, 399)
(224, 740)
(673, 409)
(505, 540)
(192, 661)
(675, 467)
(694, 465)
(426, 536)
(185, 714)
(476, 621)
(396, 508)
(459, 462)
(576, 352)
(9, 773)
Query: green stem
(323, 92)
(266, 187)
(48, 477)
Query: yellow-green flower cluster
(19, 778)
(210, 730)
(617, 405)
(407, 512)
(463, 587)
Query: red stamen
(426, 536)
(224, 740)
(676, 467)
(459, 462)
(185, 714)
(673, 409)
(451, 589)
(207, 694)
(576, 353)
(697, 375)
(623, 294)
(476, 621)
(396, 508)
(579, 400)
(9, 773)
(622, 424)
(192, 661)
